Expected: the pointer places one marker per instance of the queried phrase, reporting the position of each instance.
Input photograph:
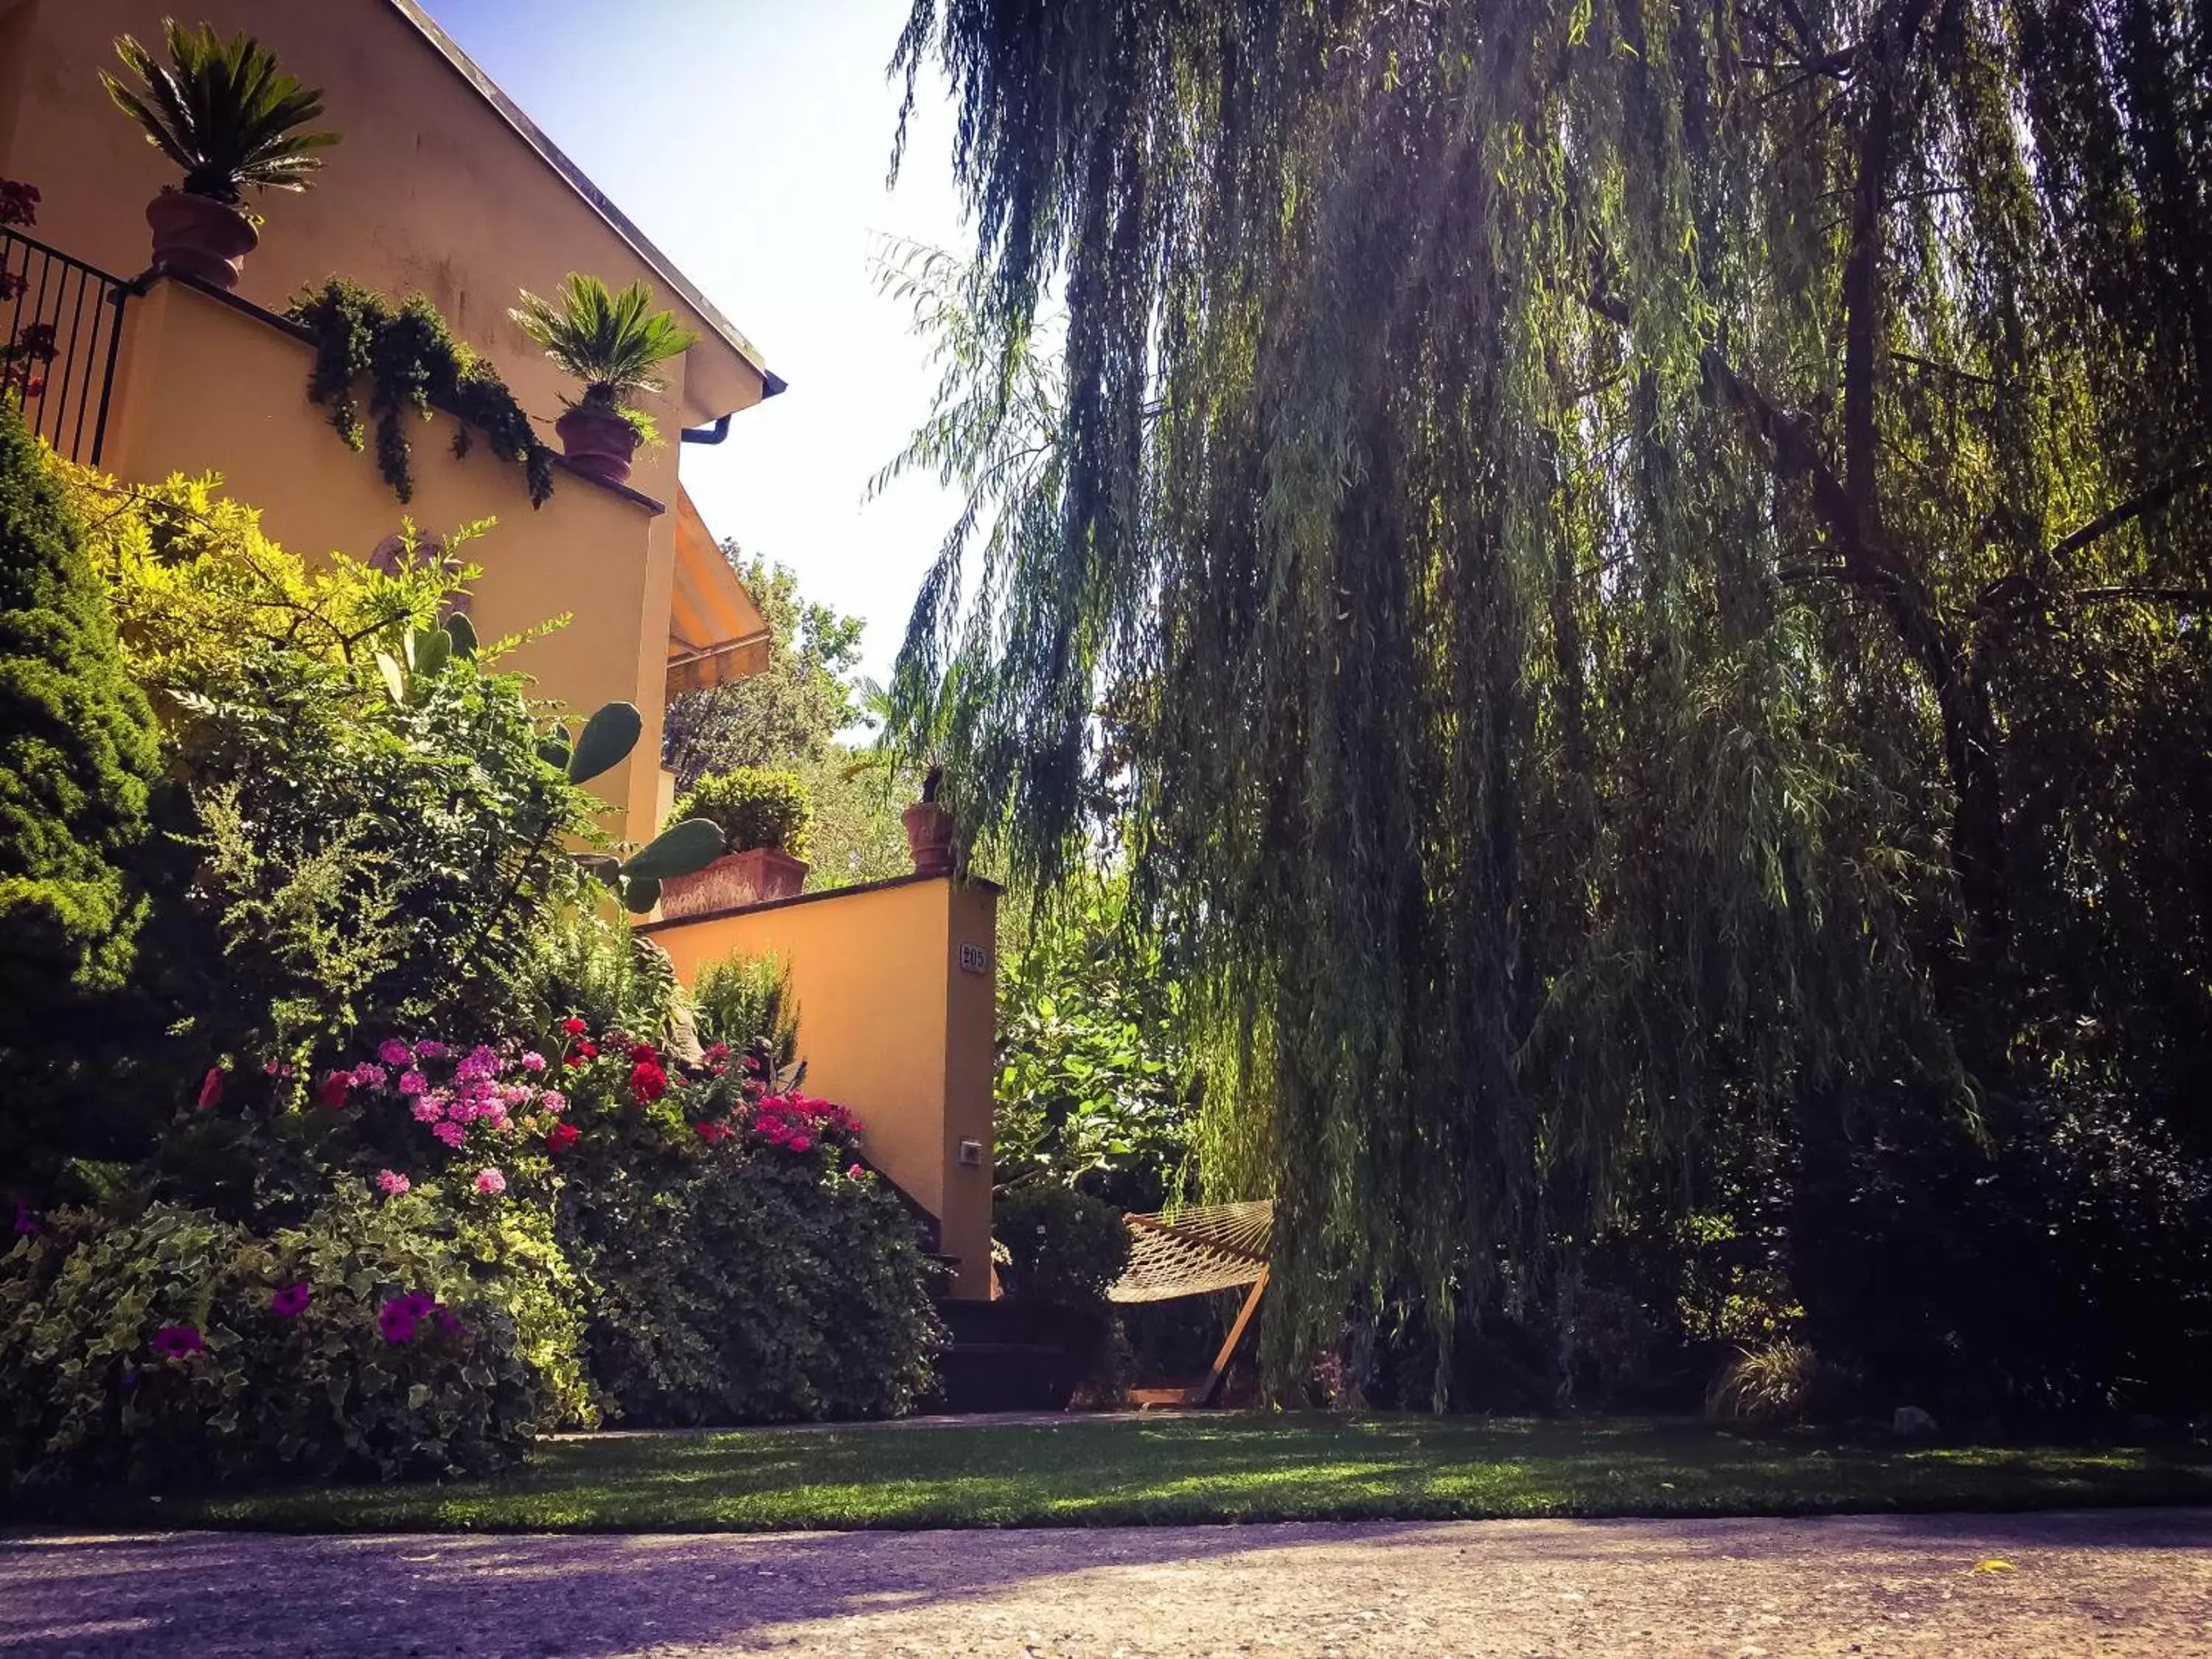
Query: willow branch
(2146, 501)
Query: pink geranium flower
(430, 1049)
(490, 1181)
(391, 1183)
(392, 1052)
(451, 1133)
(413, 1082)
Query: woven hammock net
(1189, 1252)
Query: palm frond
(222, 111)
(612, 341)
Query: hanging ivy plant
(413, 365)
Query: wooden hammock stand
(1195, 1252)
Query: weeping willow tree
(1613, 565)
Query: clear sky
(749, 140)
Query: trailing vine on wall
(413, 365)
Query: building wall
(893, 1026)
(205, 388)
(430, 189)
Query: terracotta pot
(733, 881)
(929, 838)
(598, 443)
(200, 236)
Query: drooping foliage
(1628, 568)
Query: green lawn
(1231, 1467)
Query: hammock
(1189, 1252)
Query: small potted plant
(222, 112)
(763, 815)
(612, 342)
(929, 830)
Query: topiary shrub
(78, 753)
(753, 1287)
(174, 1347)
(1063, 1247)
(755, 806)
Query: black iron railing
(61, 326)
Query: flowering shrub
(179, 1347)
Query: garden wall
(896, 986)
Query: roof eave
(580, 182)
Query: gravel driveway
(2103, 1583)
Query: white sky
(749, 139)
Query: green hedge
(753, 1289)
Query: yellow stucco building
(442, 186)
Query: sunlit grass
(1233, 1467)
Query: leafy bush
(176, 1347)
(755, 806)
(1095, 1087)
(749, 1288)
(78, 752)
(2063, 1269)
(741, 1001)
(1064, 1248)
(591, 966)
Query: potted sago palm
(224, 112)
(613, 343)
(764, 816)
(929, 830)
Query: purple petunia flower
(420, 1304)
(25, 1223)
(397, 1321)
(291, 1302)
(176, 1341)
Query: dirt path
(2101, 1583)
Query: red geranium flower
(644, 1051)
(648, 1082)
(332, 1089)
(574, 1026)
(711, 1133)
(211, 1088)
(561, 1137)
(582, 1052)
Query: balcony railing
(61, 326)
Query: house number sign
(973, 959)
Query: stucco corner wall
(204, 387)
(894, 1026)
